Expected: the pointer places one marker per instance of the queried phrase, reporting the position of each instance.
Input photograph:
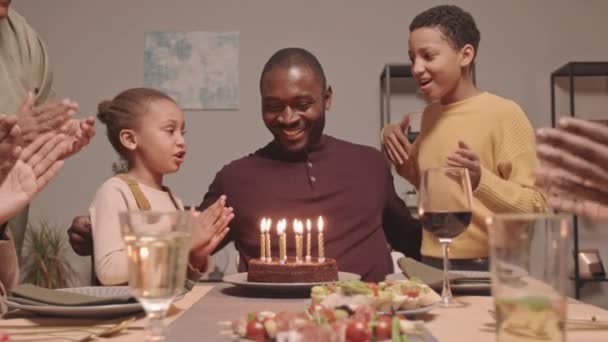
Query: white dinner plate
(406, 312)
(458, 287)
(416, 311)
(240, 279)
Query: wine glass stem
(446, 293)
(155, 330)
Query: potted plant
(46, 265)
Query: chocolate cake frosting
(292, 272)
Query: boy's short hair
(456, 24)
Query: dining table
(205, 313)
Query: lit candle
(321, 242)
(268, 245)
(282, 241)
(263, 240)
(298, 228)
(308, 238)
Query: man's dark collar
(275, 151)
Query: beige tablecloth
(196, 317)
(23, 326)
(471, 323)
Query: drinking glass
(157, 248)
(528, 264)
(444, 207)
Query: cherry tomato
(357, 330)
(411, 294)
(409, 291)
(383, 328)
(255, 330)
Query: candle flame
(263, 225)
(308, 225)
(143, 252)
(320, 224)
(298, 227)
(268, 224)
(281, 226)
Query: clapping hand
(466, 158)
(49, 117)
(398, 149)
(81, 131)
(10, 135)
(209, 229)
(38, 163)
(574, 171)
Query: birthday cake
(292, 271)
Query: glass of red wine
(444, 206)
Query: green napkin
(30, 294)
(429, 275)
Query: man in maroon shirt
(304, 173)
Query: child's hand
(81, 236)
(210, 222)
(198, 257)
(395, 143)
(398, 149)
(209, 229)
(466, 158)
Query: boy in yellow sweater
(464, 127)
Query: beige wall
(96, 49)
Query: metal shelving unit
(571, 70)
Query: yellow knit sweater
(499, 132)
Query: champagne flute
(444, 207)
(157, 248)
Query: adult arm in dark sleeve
(403, 232)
